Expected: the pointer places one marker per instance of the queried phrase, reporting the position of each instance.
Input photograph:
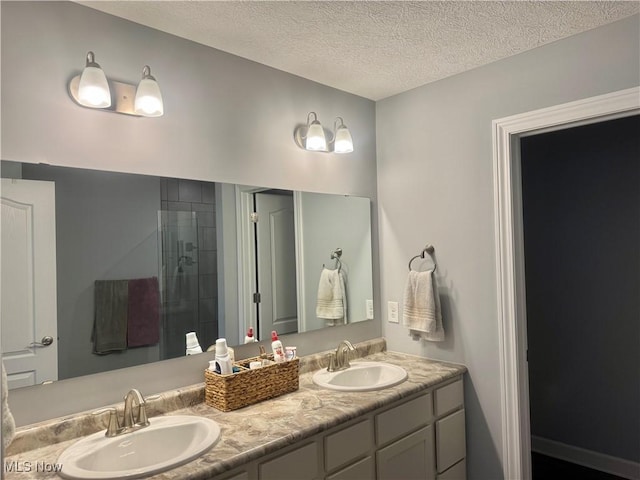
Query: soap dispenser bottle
(222, 359)
(249, 338)
(277, 348)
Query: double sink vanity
(385, 415)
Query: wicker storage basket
(246, 387)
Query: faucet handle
(332, 362)
(143, 420)
(113, 426)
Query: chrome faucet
(339, 360)
(134, 415)
(133, 397)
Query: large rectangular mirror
(210, 258)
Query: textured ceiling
(371, 48)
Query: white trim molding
(587, 458)
(516, 441)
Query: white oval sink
(361, 376)
(166, 443)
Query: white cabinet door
(299, 464)
(364, 469)
(457, 472)
(396, 422)
(409, 458)
(450, 435)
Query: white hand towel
(422, 313)
(331, 304)
(8, 425)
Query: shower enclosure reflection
(179, 280)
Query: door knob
(45, 342)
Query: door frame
(509, 248)
(247, 315)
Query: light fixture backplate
(123, 96)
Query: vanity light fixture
(312, 137)
(91, 89)
(148, 97)
(342, 142)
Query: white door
(276, 259)
(28, 283)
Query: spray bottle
(249, 338)
(277, 348)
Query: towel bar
(428, 249)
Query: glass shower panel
(179, 284)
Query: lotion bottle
(193, 346)
(249, 338)
(222, 359)
(277, 348)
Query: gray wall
(581, 204)
(226, 119)
(435, 185)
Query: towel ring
(428, 249)
(335, 255)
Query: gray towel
(110, 321)
(8, 425)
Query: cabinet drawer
(449, 398)
(457, 472)
(347, 445)
(297, 464)
(399, 421)
(409, 458)
(239, 476)
(365, 468)
(450, 440)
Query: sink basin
(166, 443)
(361, 376)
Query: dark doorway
(581, 214)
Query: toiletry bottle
(276, 347)
(222, 359)
(249, 338)
(193, 346)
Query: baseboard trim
(587, 458)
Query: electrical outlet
(392, 312)
(369, 309)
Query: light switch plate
(369, 307)
(392, 312)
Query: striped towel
(422, 313)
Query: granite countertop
(247, 433)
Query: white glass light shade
(315, 137)
(343, 142)
(148, 100)
(93, 89)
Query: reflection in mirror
(213, 258)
